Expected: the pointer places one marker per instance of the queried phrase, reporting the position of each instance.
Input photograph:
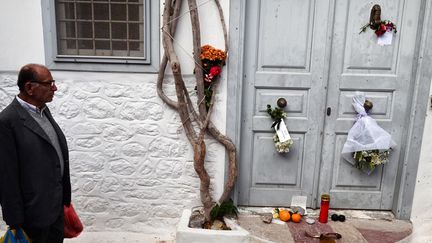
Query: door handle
(328, 111)
(375, 17)
(368, 105)
(281, 102)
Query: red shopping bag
(72, 224)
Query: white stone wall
(131, 164)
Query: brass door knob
(368, 105)
(281, 102)
(375, 16)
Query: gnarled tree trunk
(189, 116)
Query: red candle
(324, 209)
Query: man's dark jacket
(32, 190)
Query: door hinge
(328, 111)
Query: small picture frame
(298, 203)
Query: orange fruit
(296, 218)
(284, 215)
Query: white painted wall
(421, 215)
(22, 34)
(131, 168)
(131, 164)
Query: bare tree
(195, 119)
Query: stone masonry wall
(131, 164)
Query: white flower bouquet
(281, 138)
(367, 145)
(282, 147)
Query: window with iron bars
(100, 28)
(102, 34)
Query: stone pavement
(121, 237)
(360, 226)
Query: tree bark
(196, 40)
(172, 21)
(184, 105)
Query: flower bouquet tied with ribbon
(376, 24)
(212, 61)
(281, 138)
(380, 27)
(367, 145)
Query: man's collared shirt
(31, 108)
(47, 127)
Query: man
(34, 160)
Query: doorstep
(360, 226)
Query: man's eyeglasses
(46, 83)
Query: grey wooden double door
(310, 52)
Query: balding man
(34, 160)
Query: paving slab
(117, 237)
(262, 232)
(348, 232)
(359, 227)
(298, 231)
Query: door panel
(311, 53)
(282, 60)
(384, 74)
(287, 51)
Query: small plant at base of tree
(226, 208)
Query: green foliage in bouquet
(277, 114)
(367, 160)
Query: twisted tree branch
(184, 104)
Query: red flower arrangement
(213, 73)
(380, 27)
(212, 60)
